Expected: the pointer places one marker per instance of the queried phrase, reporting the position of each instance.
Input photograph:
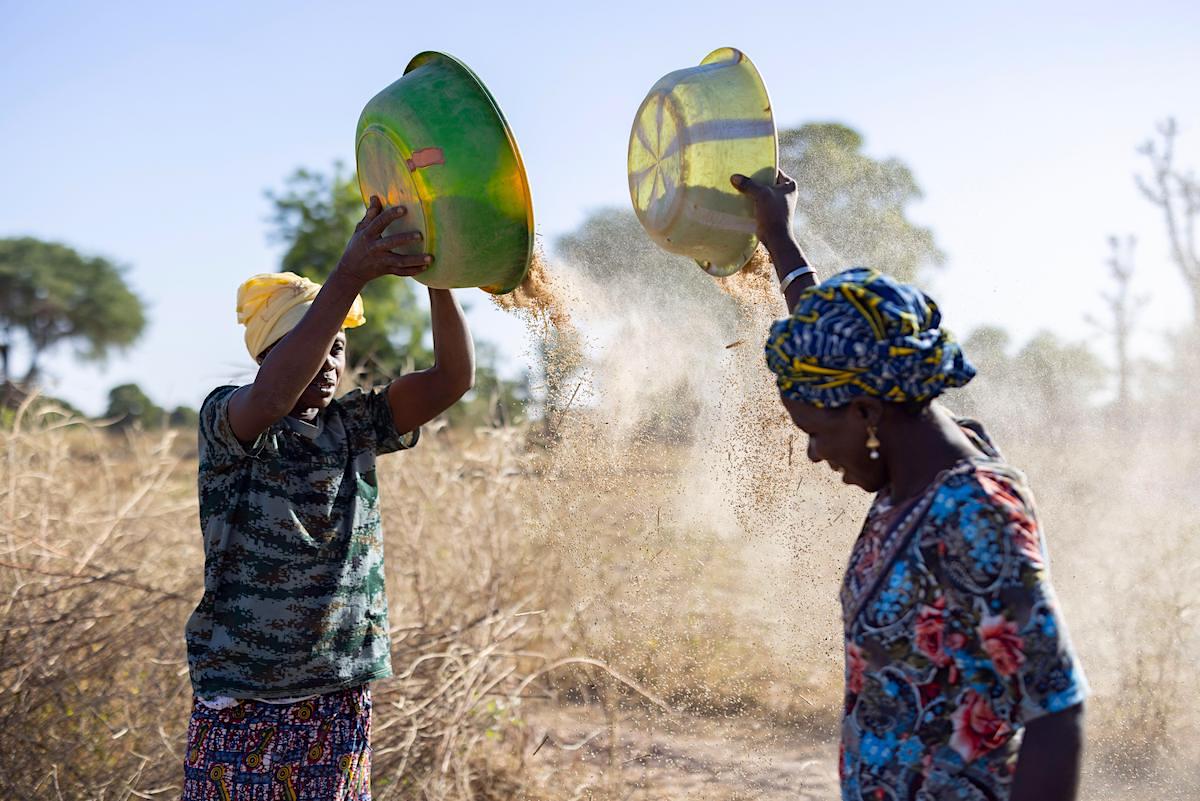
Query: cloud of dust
(1116, 491)
(676, 420)
(671, 358)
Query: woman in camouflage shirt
(292, 626)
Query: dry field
(600, 616)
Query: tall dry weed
(100, 564)
(89, 659)
(592, 575)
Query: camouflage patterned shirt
(294, 598)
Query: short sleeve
(215, 432)
(1010, 623)
(368, 418)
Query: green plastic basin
(436, 142)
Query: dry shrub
(91, 695)
(1120, 510)
(100, 564)
(466, 597)
(600, 574)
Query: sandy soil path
(680, 757)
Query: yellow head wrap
(271, 304)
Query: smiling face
(320, 391)
(839, 437)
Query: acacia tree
(128, 404)
(51, 295)
(1042, 388)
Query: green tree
(184, 417)
(1063, 377)
(852, 209)
(314, 216)
(988, 349)
(44, 407)
(1046, 387)
(129, 405)
(51, 295)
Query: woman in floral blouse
(961, 682)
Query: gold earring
(872, 442)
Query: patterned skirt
(314, 750)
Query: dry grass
(100, 564)
(90, 658)
(546, 596)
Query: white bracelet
(793, 275)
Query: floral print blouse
(954, 640)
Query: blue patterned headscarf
(863, 333)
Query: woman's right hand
(774, 207)
(369, 255)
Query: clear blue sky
(147, 132)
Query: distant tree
(184, 417)
(314, 216)
(852, 209)
(1061, 377)
(51, 295)
(1122, 308)
(1045, 388)
(39, 406)
(987, 347)
(129, 405)
(1176, 193)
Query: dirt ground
(678, 756)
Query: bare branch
(1177, 194)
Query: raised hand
(774, 206)
(369, 255)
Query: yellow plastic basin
(696, 127)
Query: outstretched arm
(417, 398)
(1048, 764)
